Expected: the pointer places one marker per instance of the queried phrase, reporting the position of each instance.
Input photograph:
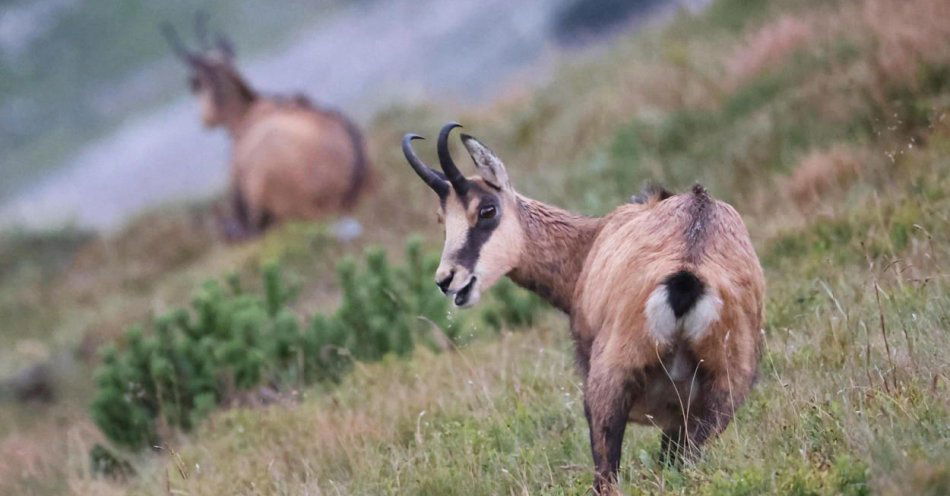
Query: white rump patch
(682, 367)
(697, 321)
(665, 327)
(660, 318)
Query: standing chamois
(290, 158)
(664, 296)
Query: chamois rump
(664, 295)
(290, 159)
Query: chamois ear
(489, 166)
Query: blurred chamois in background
(291, 158)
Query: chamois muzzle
(458, 180)
(433, 179)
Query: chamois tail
(681, 306)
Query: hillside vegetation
(824, 123)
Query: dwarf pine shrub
(232, 341)
(511, 306)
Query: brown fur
(563, 238)
(623, 258)
(290, 158)
(604, 273)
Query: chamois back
(643, 246)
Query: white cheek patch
(500, 254)
(456, 227)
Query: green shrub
(104, 462)
(232, 341)
(511, 306)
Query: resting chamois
(290, 158)
(664, 295)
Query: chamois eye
(194, 84)
(487, 212)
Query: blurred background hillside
(825, 123)
(93, 99)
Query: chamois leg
(248, 207)
(714, 411)
(607, 400)
(257, 221)
(235, 223)
(671, 446)
(262, 221)
(582, 357)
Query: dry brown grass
(22, 456)
(543, 135)
(312, 447)
(766, 48)
(823, 173)
(46, 457)
(905, 35)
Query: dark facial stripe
(477, 236)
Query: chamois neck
(555, 247)
(234, 99)
(235, 115)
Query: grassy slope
(824, 124)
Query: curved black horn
(431, 177)
(445, 160)
(174, 41)
(225, 46)
(201, 30)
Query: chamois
(664, 295)
(290, 158)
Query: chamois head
(483, 234)
(221, 91)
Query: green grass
(853, 392)
(835, 411)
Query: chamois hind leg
(233, 219)
(608, 397)
(712, 412)
(262, 220)
(671, 446)
(729, 358)
(721, 391)
(251, 206)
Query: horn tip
(448, 127)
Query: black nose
(444, 283)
